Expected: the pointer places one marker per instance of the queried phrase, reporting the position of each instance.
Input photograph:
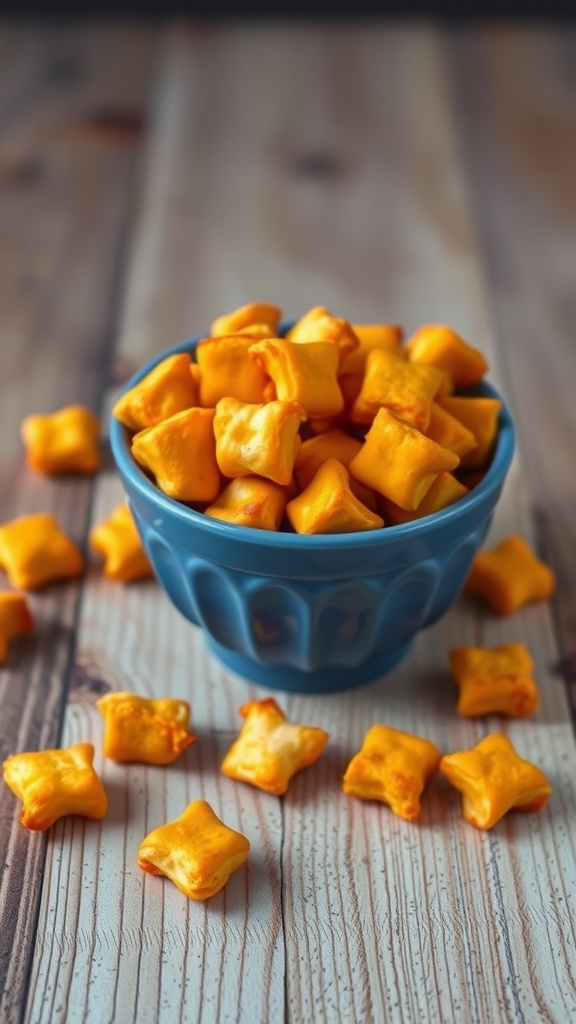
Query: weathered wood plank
(516, 105)
(64, 206)
(346, 188)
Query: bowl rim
(274, 540)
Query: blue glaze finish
(310, 614)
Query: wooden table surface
(151, 178)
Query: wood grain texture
(516, 103)
(64, 205)
(272, 173)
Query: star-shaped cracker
(479, 416)
(328, 505)
(15, 620)
(169, 388)
(34, 551)
(399, 462)
(197, 852)
(318, 324)
(493, 779)
(495, 680)
(54, 783)
(303, 373)
(269, 749)
(393, 767)
(227, 371)
(257, 440)
(406, 389)
(250, 501)
(65, 441)
(143, 729)
(370, 336)
(245, 317)
(181, 453)
(117, 539)
(510, 576)
(438, 345)
(445, 490)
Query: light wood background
(149, 180)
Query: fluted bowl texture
(310, 613)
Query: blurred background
(453, 9)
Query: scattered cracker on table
(493, 780)
(34, 551)
(142, 729)
(393, 767)
(54, 783)
(197, 852)
(65, 441)
(270, 750)
(510, 576)
(495, 680)
(15, 620)
(118, 540)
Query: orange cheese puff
(258, 331)
(440, 346)
(15, 620)
(328, 505)
(145, 730)
(494, 681)
(393, 767)
(34, 551)
(450, 432)
(259, 440)
(197, 852)
(246, 316)
(118, 540)
(399, 462)
(480, 416)
(269, 749)
(334, 444)
(168, 388)
(54, 783)
(181, 454)
(387, 336)
(510, 576)
(306, 374)
(62, 442)
(195, 374)
(227, 371)
(445, 490)
(350, 385)
(250, 501)
(322, 424)
(493, 779)
(406, 389)
(319, 325)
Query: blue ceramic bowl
(310, 614)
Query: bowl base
(294, 680)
